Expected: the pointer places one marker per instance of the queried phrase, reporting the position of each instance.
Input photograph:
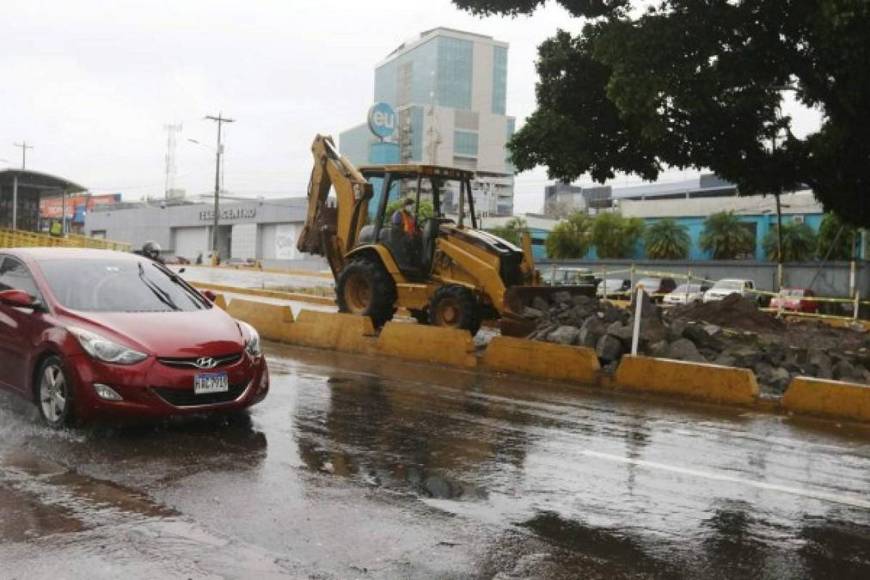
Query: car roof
(68, 254)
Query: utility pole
(220, 120)
(24, 147)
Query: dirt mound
(734, 311)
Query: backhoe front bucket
(518, 298)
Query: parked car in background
(657, 287)
(796, 300)
(568, 276)
(685, 294)
(729, 286)
(613, 288)
(98, 334)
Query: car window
(14, 275)
(118, 285)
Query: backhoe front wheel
(455, 307)
(365, 287)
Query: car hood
(168, 334)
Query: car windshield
(729, 285)
(113, 285)
(650, 283)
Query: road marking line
(841, 499)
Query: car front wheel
(54, 393)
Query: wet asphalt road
(360, 468)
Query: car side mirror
(18, 299)
(210, 296)
(182, 270)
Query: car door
(20, 328)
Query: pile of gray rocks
(585, 321)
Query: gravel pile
(732, 332)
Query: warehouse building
(264, 230)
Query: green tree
(692, 83)
(835, 239)
(667, 240)
(511, 231)
(615, 236)
(427, 210)
(725, 237)
(570, 238)
(798, 243)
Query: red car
(796, 300)
(89, 334)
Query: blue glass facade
(465, 143)
(499, 80)
(455, 72)
(410, 78)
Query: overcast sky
(92, 83)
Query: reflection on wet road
(371, 468)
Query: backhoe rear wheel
(365, 287)
(455, 306)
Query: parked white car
(685, 294)
(730, 286)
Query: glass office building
(449, 89)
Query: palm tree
(570, 238)
(835, 239)
(615, 236)
(798, 243)
(667, 240)
(512, 230)
(725, 237)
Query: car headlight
(105, 350)
(252, 344)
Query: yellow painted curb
(541, 359)
(294, 296)
(694, 380)
(332, 330)
(433, 344)
(220, 301)
(830, 398)
(270, 320)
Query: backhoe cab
(390, 244)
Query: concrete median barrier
(541, 359)
(706, 382)
(270, 320)
(277, 294)
(834, 399)
(332, 330)
(432, 344)
(220, 301)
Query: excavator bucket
(518, 298)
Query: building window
(455, 71)
(465, 143)
(499, 80)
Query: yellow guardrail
(22, 239)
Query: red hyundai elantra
(98, 334)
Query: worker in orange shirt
(404, 219)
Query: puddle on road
(25, 518)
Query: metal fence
(23, 239)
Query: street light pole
(220, 120)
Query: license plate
(206, 383)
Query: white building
(449, 89)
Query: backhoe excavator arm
(332, 231)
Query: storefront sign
(230, 213)
(285, 242)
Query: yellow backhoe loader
(389, 244)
